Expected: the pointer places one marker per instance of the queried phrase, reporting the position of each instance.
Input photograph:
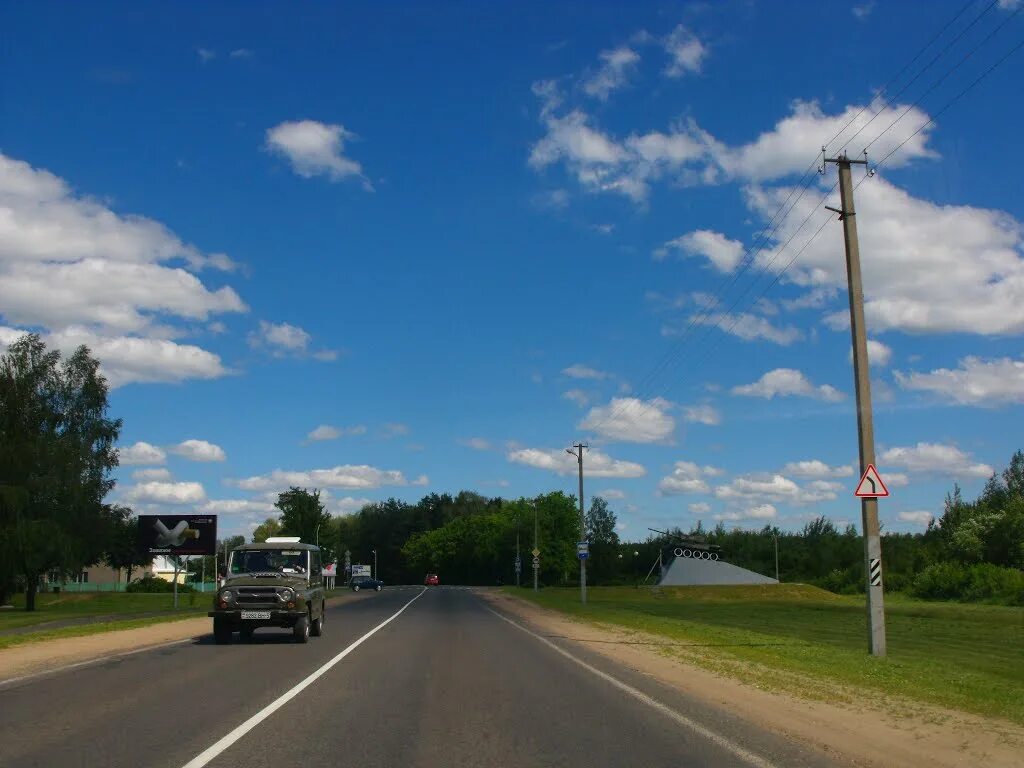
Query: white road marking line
(683, 720)
(203, 758)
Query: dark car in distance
(432, 580)
(365, 582)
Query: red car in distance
(432, 580)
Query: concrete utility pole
(536, 570)
(776, 537)
(865, 426)
(578, 453)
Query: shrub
(979, 582)
(155, 584)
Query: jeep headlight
(226, 596)
(287, 594)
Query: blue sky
(391, 251)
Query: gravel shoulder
(857, 728)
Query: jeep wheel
(300, 633)
(378, 587)
(221, 632)
(318, 624)
(245, 634)
(355, 588)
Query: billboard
(178, 534)
(360, 570)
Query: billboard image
(178, 534)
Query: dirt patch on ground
(887, 732)
(58, 652)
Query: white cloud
(166, 493)
(1008, 5)
(920, 517)
(552, 199)
(327, 432)
(896, 480)
(236, 507)
(927, 268)
(632, 420)
(315, 149)
(347, 505)
(879, 354)
(205, 54)
(611, 494)
(421, 480)
(787, 382)
(143, 475)
(863, 10)
(596, 463)
(476, 443)
(700, 508)
(281, 338)
(747, 327)
(755, 512)
(577, 396)
(241, 53)
(973, 382)
(344, 476)
(394, 428)
(199, 450)
(686, 477)
(776, 488)
(723, 254)
(326, 355)
(934, 458)
(579, 371)
(617, 64)
(702, 414)
(686, 51)
(814, 469)
(141, 453)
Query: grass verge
(813, 643)
(75, 605)
(83, 630)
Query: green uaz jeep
(275, 584)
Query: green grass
(71, 605)
(82, 630)
(813, 643)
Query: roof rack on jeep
(283, 540)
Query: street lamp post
(375, 575)
(776, 537)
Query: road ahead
(446, 682)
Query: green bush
(978, 582)
(154, 584)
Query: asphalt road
(446, 682)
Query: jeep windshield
(268, 561)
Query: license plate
(255, 614)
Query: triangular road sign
(871, 485)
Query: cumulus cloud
(580, 371)
(632, 420)
(577, 396)
(702, 414)
(237, 507)
(199, 450)
(762, 488)
(745, 326)
(476, 443)
(166, 493)
(141, 453)
(755, 512)
(361, 476)
(700, 508)
(687, 477)
(934, 458)
(814, 469)
(721, 252)
(611, 494)
(919, 517)
(144, 475)
(421, 480)
(79, 272)
(315, 149)
(787, 382)
(616, 66)
(928, 268)
(327, 432)
(597, 464)
(686, 52)
(973, 382)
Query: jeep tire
(300, 632)
(317, 629)
(221, 632)
(355, 588)
(245, 633)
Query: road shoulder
(879, 732)
(60, 652)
